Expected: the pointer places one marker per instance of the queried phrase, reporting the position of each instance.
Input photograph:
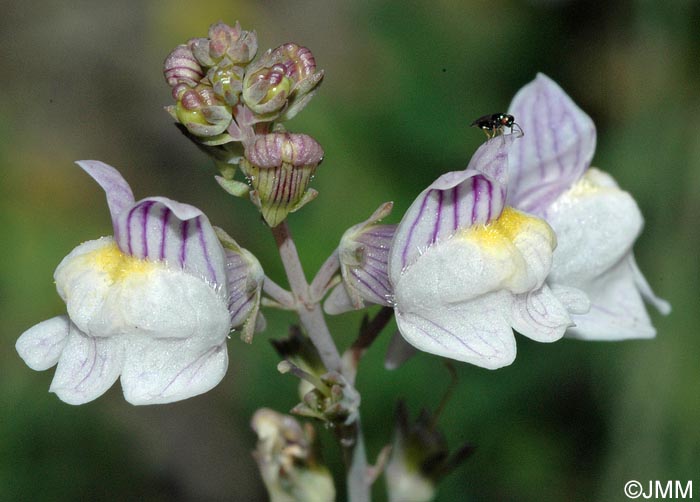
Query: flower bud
(288, 461)
(225, 54)
(282, 82)
(181, 67)
(280, 166)
(226, 45)
(227, 82)
(200, 110)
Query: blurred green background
(567, 421)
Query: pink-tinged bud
(226, 45)
(280, 166)
(282, 82)
(200, 110)
(227, 82)
(181, 67)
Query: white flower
(595, 221)
(466, 270)
(150, 304)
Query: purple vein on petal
(378, 276)
(144, 226)
(490, 202)
(475, 191)
(165, 216)
(379, 293)
(436, 228)
(93, 341)
(455, 207)
(409, 238)
(246, 301)
(469, 347)
(205, 250)
(129, 248)
(382, 260)
(196, 365)
(183, 245)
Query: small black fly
(493, 124)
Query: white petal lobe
(87, 367)
(41, 345)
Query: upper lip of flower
(558, 146)
(161, 229)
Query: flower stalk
(309, 313)
(314, 324)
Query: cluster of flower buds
(288, 461)
(326, 396)
(229, 105)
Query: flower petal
(539, 315)
(512, 253)
(556, 149)
(596, 225)
(245, 279)
(88, 366)
(643, 286)
(82, 283)
(119, 194)
(164, 304)
(475, 332)
(367, 277)
(160, 229)
(41, 345)
(455, 201)
(164, 371)
(574, 300)
(363, 255)
(617, 309)
(491, 158)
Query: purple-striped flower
(363, 254)
(596, 222)
(149, 305)
(466, 269)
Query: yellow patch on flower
(118, 265)
(506, 229)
